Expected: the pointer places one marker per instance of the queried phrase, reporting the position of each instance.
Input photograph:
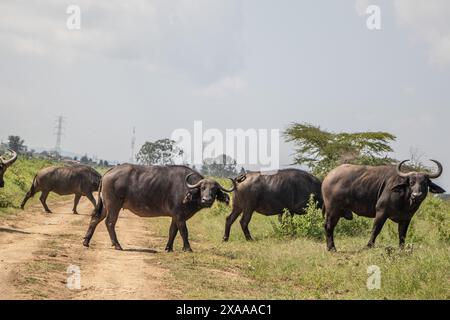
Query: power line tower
(59, 128)
(133, 143)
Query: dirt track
(37, 248)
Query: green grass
(292, 265)
(299, 267)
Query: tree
(221, 166)
(160, 152)
(322, 151)
(16, 143)
(84, 159)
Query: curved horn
(440, 170)
(228, 190)
(192, 186)
(399, 169)
(9, 162)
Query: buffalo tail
(99, 207)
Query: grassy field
(277, 266)
(289, 260)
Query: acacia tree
(322, 151)
(160, 152)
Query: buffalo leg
(330, 223)
(378, 224)
(75, 203)
(402, 230)
(91, 199)
(245, 220)
(173, 230)
(111, 220)
(181, 224)
(231, 218)
(43, 199)
(27, 197)
(97, 217)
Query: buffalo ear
(223, 197)
(399, 187)
(190, 195)
(434, 188)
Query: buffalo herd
(179, 192)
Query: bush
(437, 212)
(359, 226)
(311, 225)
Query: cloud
(430, 24)
(223, 87)
(199, 38)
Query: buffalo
(153, 191)
(380, 192)
(4, 164)
(79, 180)
(271, 194)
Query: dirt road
(36, 250)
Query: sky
(161, 65)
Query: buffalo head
(4, 164)
(417, 184)
(206, 191)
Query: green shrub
(359, 226)
(309, 225)
(437, 212)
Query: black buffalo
(79, 180)
(153, 191)
(382, 192)
(4, 164)
(271, 194)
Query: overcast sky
(160, 65)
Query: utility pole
(59, 133)
(133, 142)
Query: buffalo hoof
(332, 249)
(118, 247)
(187, 249)
(225, 239)
(370, 245)
(75, 212)
(22, 207)
(168, 249)
(48, 211)
(86, 243)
